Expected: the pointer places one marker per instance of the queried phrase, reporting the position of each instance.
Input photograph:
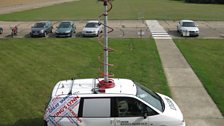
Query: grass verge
(206, 58)
(29, 69)
(122, 9)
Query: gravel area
(208, 29)
(122, 29)
(125, 29)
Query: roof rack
(70, 92)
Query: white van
(81, 103)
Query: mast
(106, 82)
(106, 73)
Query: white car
(187, 28)
(82, 102)
(92, 28)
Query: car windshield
(91, 25)
(64, 25)
(188, 24)
(39, 25)
(150, 97)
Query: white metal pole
(106, 73)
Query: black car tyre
(45, 34)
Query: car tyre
(98, 34)
(181, 34)
(45, 34)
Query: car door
(132, 112)
(95, 112)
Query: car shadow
(27, 35)
(78, 34)
(174, 33)
(30, 122)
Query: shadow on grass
(30, 122)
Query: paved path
(187, 90)
(21, 7)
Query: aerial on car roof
(83, 102)
(89, 86)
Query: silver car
(187, 28)
(92, 28)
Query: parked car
(187, 28)
(92, 28)
(1, 30)
(90, 102)
(65, 29)
(41, 29)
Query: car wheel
(70, 34)
(181, 34)
(45, 34)
(98, 34)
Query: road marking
(157, 30)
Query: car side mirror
(145, 115)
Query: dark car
(65, 29)
(1, 30)
(41, 29)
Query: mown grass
(206, 58)
(123, 9)
(29, 68)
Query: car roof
(66, 21)
(94, 21)
(89, 87)
(186, 20)
(43, 21)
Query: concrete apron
(187, 90)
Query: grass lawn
(29, 68)
(123, 9)
(206, 58)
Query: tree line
(205, 1)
